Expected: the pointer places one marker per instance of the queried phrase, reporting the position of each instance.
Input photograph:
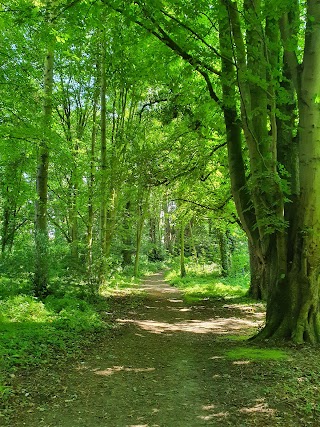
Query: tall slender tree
(41, 221)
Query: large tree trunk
(239, 185)
(293, 304)
(258, 285)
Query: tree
(287, 243)
(118, 131)
(253, 76)
(41, 223)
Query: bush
(23, 308)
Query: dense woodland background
(115, 147)
(135, 131)
(138, 136)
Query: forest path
(165, 367)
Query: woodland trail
(166, 367)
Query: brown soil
(166, 366)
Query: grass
(120, 284)
(203, 282)
(258, 354)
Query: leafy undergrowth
(35, 332)
(203, 282)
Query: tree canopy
(127, 125)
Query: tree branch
(150, 104)
(164, 37)
(186, 27)
(201, 205)
(59, 226)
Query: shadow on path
(166, 367)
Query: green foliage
(19, 263)
(73, 314)
(14, 286)
(240, 265)
(35, 332)
(21, 308)
(203, 282)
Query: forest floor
(169, 364)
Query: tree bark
(41, 221)
(91, 183)
(127, 236)
(239, 185)
(224, 253)
(293, 304)
(103, 167)
(258, 282)
(183, 272)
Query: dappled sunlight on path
(198, 319)
(218, 325)
(165, 367)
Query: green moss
(241, 353)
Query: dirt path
(166, 367)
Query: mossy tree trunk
(293, 306)
(286, 248)
(239, 184)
